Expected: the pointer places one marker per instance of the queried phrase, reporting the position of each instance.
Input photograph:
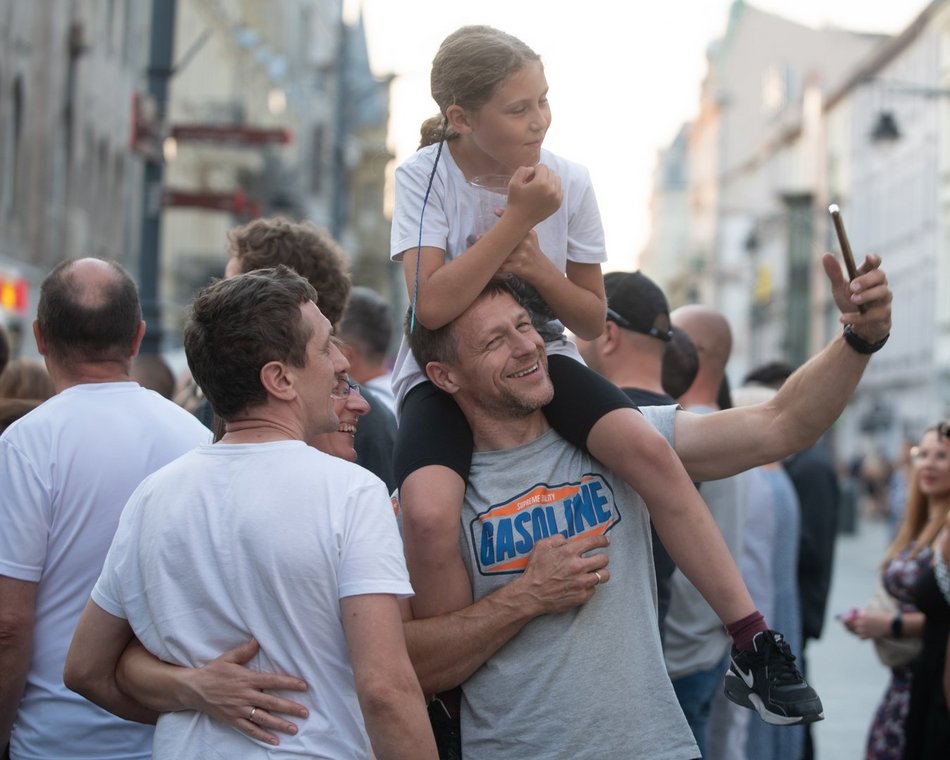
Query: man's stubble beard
(513, 406)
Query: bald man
(632, 352)
(712, 337)
(67, 469)
(696, 646)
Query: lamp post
(159, 71)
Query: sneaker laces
(781, 661)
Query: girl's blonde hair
(470, 64)
(918, 529)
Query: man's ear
(38, 336)
(278, 381)
(442, 377)
(347, 350)
(457, 118)
(610, 338)
(137, 341)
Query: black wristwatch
(897, 626)
(860, 345)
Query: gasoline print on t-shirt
(504, 535)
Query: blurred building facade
(69, 185)
(272, 109)
(764, 159)
(297, 68)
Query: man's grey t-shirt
(590, 682)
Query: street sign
(230, 134)
(235, 202)
(13, 294)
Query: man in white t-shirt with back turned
(67, 469)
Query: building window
(11, 150)
(118, 195)
(798, 296)
(110, 26)
(103, 208)
(59, 172)
(774, 89)
(316, 160)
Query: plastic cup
(491, 191)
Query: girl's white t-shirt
(573, 233)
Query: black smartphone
(843, 241)
(845, 245)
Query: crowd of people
(511, 543)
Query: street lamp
(886, 130)
(159, 72)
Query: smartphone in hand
(844, 617)
(843, 240)
(844, 244)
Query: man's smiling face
(501, 365)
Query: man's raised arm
(718, 445)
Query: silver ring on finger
(250, 717)
(599, 579)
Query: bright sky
(623, 76)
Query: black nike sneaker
(767, 681)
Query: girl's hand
(534, 193)
(526, 259)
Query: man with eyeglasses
(312, 253)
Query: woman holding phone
(906, 561)
(928, 720)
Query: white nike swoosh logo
(746, 677)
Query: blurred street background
(845, 671)
(717, 134)
(143, 131)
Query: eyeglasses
(655, 332)
(344, 386)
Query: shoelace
(781, 662)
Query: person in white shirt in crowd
(262, 536)
(67, 469)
